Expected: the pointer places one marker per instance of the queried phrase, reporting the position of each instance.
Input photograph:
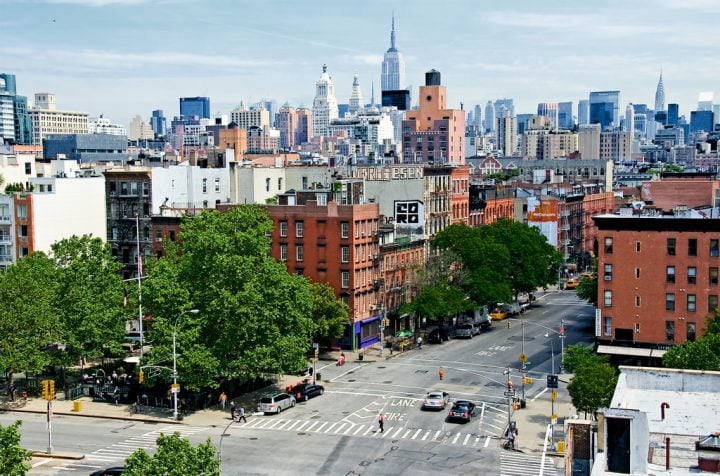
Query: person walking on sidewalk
(419, 342)
(233, 411)
(222, 400)
(381, 422)
(241, 415)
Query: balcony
(5, 238)
(5, 219)
(6, 258)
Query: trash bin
(522, 403)
(560, 446)
(318, 376)
(77, 406)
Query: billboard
(409, 218)
(543, 214)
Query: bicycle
(137, 408)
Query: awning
(634, 351)
(658, 353)
(133, 359)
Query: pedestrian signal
(51, 389)
(141, 376)
(45, 389)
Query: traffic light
(45, 389)
(51, 389)
(141, 376)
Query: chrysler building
(393, 66)
(325, 106)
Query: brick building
(331, 236)
(696, 189)
(460, 194)
(657, 282)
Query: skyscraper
(507, 133)
(705, 101)
(489, 117)
(673, 114)
(565, 115)
(393, 66)
(630, 120)
(356, 98)
(604, 109)
(477, 118)
(197, 106)
(325, 106)
(660, 95)
(304, 125)
(7, 108)
(158, 123)
(583, 112)
(549, 110)
(504, 103)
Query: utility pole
(562, 345)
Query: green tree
(701, 355)
(330, 314)
(533, 261)
(255, 318)
(13, 457)
(712, 323)
(592, 386)
(89, 296)
(576, 356)
(588, 289)
(175, 456)
(28, 318)
(484, 262)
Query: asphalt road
(337, 433)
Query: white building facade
(325, 106)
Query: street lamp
(552, 400)
(175, 389)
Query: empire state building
(393, 66)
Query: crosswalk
(117, 453)
(513, 463)
(369, 430)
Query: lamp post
(175, 389)
(562, 345)
(552, 400)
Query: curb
(43, 454)
(107, 417)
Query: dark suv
(438, 336)
(306, 391)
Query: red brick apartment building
(399, 261)
(657, 283)
(331, 236)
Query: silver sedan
(435, 400)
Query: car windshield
(266, 400)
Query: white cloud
(364, 59)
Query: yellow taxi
(572, 283)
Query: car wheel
(292, 404)
(279, 410)
(306, 397)
(322, 391)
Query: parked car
(465, 330)
(435, 400)
(306, 391)
(498, 314)
(276, 403)
(438, 336)
(110, 471)
(461, 411)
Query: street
(338, 433)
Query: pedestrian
(419, 342)
(222, 400)
(241, 417)
(381, 422)
(233, 410)
(11, 392)
(116, 395)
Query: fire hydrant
(441, 373)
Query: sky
(122, 58)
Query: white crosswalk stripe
(368, 430)
(513, 463)
(121, 450)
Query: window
(692, 247)
(23, 232)
(714, 248)
(299, 271)
(357, 253)
(669, 330)
(713, 276)
(608, 245)
(691, 302)
(344, 254)
(637, 273)
(692, 274)
(299, 252)
(345, 278)
(357, 229)
(217, 184)
(133, 188)
(637, 246)
(204, 185)
(123, 188)
(283, 252)
(172, 235)
(22, 211)
(671, 246)
(712, 302)
(670, 274)
(608, 298)
(637, 301)
(321, 199)
(670, 301)
(608, 272)
(637, 328)
(158, 235)
(691, 331)
(344, 229)
(607, 327)
(283, 229)
(146, 233)
(113, 188)
(28, 168)
(299, 229)
(279, 184)
(145, 189)
(267, 184)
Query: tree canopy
(329, 314)
(593, 384)
(588, 289)
(175, 456)
(255, 319)
(13, 457)
(703, 354)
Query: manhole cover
(420, 371)
(252, 438)
(381, 366)
(388, 381)
(302, 433)
(315, 416)
(494, 384)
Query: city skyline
(126, 57)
